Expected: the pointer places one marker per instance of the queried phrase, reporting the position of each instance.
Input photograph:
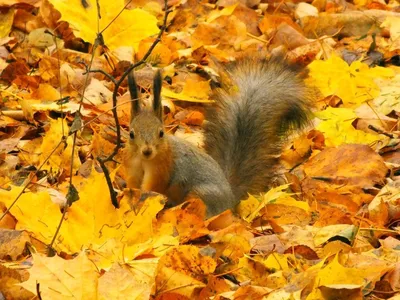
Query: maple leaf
(6, 20)
(34, 211)
(354, 84)
(338, 129)
(249, 209)
(56, 155)
(192, 92)
(343, 230)
(9, 279)
(133, 281)
(393, 24)
(184, 269)
(89, 222)
(59, 278)
(128, 29)
(388, 100)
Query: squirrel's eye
(161, 133)
(131, 135)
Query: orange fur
(157, 171)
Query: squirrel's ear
(157, 105)
(133, 90)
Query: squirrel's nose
(147, 152)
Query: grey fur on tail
(247, 127)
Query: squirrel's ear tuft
(133, 90)
(157, 105)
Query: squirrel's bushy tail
(247, 127)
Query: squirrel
(244, 134)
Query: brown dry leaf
(161, 55)
(349, 23)
(26, 21)
(249, 269)
(194, 118)
(342, 175)
(215, 285)
(295, 154)
(8, 222)
(183, 270)
(10, 277)
(13, 244)
(385, 206)
(224, 31)
(14, 70)
(289, 37)
(30, 151)
(187, 225)
(295, 235)
(287, 210)
(46, 92)
(252, 292)
(266, 244)
(232, 242)
(96, 93)
(330, 214)
(335, 247)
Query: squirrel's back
(264, 101)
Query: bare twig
(109, 76)
(38, 291)
(71, 186)
(63, 139)
(380, 131)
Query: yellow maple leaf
(250, 208)
(6, 21)
(89, 222)
(393, 24)
(338, 129)
(343, 230)
(193, 91)
(275, 261)
(94, 212)
(133, 281)
(59, 278)
(354, 84)
(226, 11)
(335, 275)
(34, 211)
(58, 157)
(183, 269)
(389, 100)
(128, 29)
(141, 220)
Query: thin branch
(109, 76)
(69, 202)
(38, 294)
(63, 139)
